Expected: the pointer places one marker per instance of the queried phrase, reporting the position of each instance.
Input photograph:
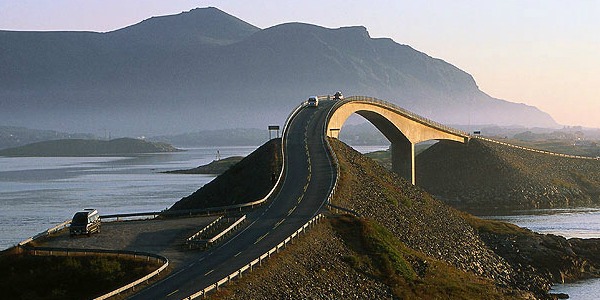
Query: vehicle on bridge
(338, 96)
(313, 101)
(85, 222)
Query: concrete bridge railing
(534, 150)
(401, 127)
(406, 113)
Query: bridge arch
(402, 128)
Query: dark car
(85, 222)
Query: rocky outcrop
(555, 258)
(484, 176)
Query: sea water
(37, 193)
(581, 223)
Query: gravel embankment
(419, 221)
(311, 268)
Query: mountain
(82, 147)
(205, 69)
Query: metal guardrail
(227, 230)
(280, 245)
(194, 241)
(48, 251)
(404, 112)
(258, 261)
(535, 150)
(350, 211)
(445, 128)
(203, 230)
(228, 208)
(48, 232)
(332, 153)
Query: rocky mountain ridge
(207, 69)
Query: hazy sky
(540, 52)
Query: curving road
(308, 180)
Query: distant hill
(205, 69)
(11, 136)
(80, 147)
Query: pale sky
(539, 52)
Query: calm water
(582, 223)
(38, 193)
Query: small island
(215, 167)
(86, 147)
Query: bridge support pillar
(403, 159)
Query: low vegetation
(408, 273)
(61, 277)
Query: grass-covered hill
(484, 175)
(247, 181)
(83, 147)
(405, 245)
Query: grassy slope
(247, 181)
(484, 174)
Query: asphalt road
(300, 198)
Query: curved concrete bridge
(401, 127)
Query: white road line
(171, 293)
(238, 254)
(292, 210)
(209, 272)
(278, 223)
(260, 238)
